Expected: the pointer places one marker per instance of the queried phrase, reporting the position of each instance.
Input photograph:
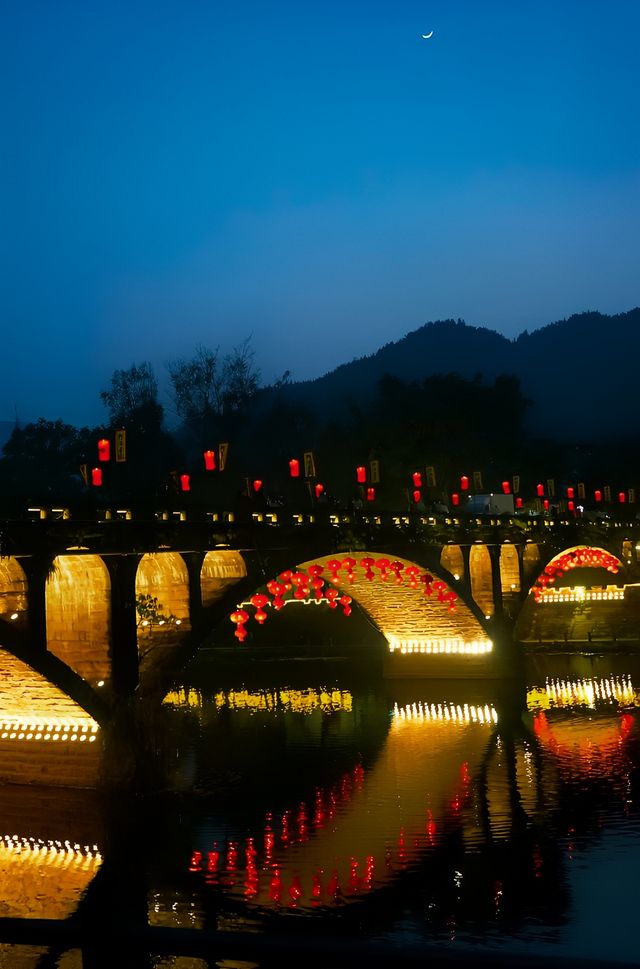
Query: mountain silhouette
(579, 374)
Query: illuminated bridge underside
(45, 737)
(411, 621)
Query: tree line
(453, 424)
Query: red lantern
(571, 493)
(185, 482)
(506, 488)
(259, 601)
(519, 503)
(256, 484)
(397, 568)
(334, 566)
(361, 474)
(540, 490)
(277, 590)
(455, 499)
(349, 564)
(285, 578)
(368, 564)
(428, 583)
(345, 602)
(240, 617)
(319, 490)
(331, 595)
(371, 494)
(571, 506)
(96, 477)
(301, 581)
(209, 460)
(412, 571)
(383, 565)
(597, 494)
(416, 477)
(622, 497)
(294, 468)
(417, 496)
(104, 449)
(545, 504)
(464, 483)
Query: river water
(319, 798)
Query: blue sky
(313, 174)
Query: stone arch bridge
(72, 597)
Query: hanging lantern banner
(309, 465)
(223, 451)
(607, 492)
(581, 490)
(516, 484)
(551, 487)
(374, 472)
(431, 477)
(120, 438)
(477, 480)
(632, 496)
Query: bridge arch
(221, 568)
(163, 577)
(452, 559)
(13, 591)
(411, 621)
(481, 574)
(78, 611)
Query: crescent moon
(427, 36)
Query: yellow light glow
(266, 701)
(63, 729)
(444, 712)
(476, 647)
(583, 692)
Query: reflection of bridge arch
(78, 609)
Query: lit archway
(452, 560)
(78, 610)
(481, 578)
(220, 570)
(162, 602)
(13, 591)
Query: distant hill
(580, 374)
(6, 429)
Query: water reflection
(415, 810)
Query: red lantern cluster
(304, 582)
(590, 558)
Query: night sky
(314, 174)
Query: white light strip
(476, 647)
(579, 595)
(444, 713)
(51, 728)
(58, 853)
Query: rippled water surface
(495, 814)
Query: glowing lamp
(417, 495)
(455, 499)
(371, 494)
(464, 484)
(256, 484)
(319, 490)
(571, 493)
(519, 503)
(294, 468)
(185, 482)
(597, 494)
(506, 488)
(540, 490)
(361, 474)
(416, 477)
(209, 460)
(239, 618)
(96, 477)
(622, 497)
(104, 449)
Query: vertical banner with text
(223, 451)
(120, 438)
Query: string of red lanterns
(593, 558)
(304, 582)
